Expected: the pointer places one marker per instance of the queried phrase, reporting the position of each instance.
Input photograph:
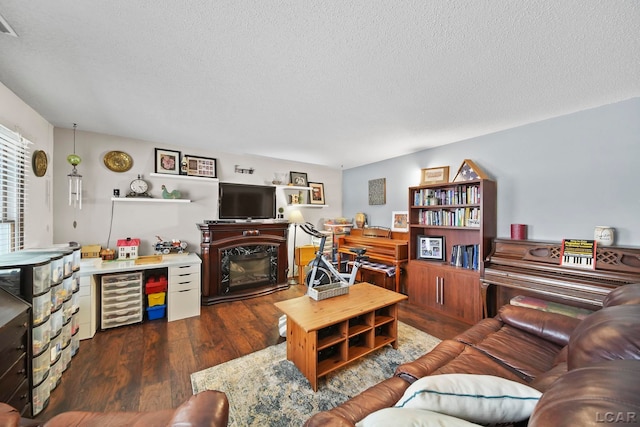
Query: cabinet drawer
(122, 320)
(20, 398)
(110, 313)
(123, 292)
(13, 342)
(183, 304)
(114, 279)
(13, 377)
(184, 269)
(181, 283)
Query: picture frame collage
(173, 162)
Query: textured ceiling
(337, 83)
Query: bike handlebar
(308, 228)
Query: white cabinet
(88, 298)
(183, 299)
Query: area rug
(265, 389)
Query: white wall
(146, 220)
(561, 177)
(19, 117)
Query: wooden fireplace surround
(219, 236)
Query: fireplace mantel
(220, 237)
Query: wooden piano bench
(378, 274)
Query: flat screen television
(246, 202)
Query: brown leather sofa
(556, 354)
(207, 409)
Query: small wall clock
(39, 163)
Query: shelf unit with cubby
(348, 340)
(464, 215)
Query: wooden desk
(325, 335)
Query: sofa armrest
(207, 408)
(382, 395)
(9, 416)
(600, 394)
(553, 327)
(328, 418)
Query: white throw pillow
(405, 417)
(482, 399)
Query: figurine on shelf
(175, 194)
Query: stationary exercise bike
(323, 272)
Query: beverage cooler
(48, 280)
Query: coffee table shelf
(325, 335)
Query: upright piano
(384, 250)
(533, 268)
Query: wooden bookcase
(443, 210)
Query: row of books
(460, 217)
(460, 195)
(465, 256)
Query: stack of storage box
(156, 290)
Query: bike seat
(358, 251)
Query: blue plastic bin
(156, 312)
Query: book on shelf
(578, 253)
(465, 256)
(459, 195)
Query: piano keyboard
(584, 261)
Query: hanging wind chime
(75, 179)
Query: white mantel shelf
(185, 177)
(148, 200)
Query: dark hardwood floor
(147, 366)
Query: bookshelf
(459, 218)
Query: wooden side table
(304, 255)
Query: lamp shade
(295, 217)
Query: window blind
(14, 154)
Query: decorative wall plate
(118, 161)
(40, 163)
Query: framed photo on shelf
(317, 193)
(430, 247)
(167, 161)
(199, 166)
(435, 175)
(400, 221)
(299, 179)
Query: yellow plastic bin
(156, 299)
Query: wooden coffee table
(325, 335)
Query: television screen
(244, 201)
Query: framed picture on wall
(299, 179)
(199, 166)
(430, 247)
(167, 161)
(435, 175)
(317, 193)
(400, 221)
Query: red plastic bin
(155, 288)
